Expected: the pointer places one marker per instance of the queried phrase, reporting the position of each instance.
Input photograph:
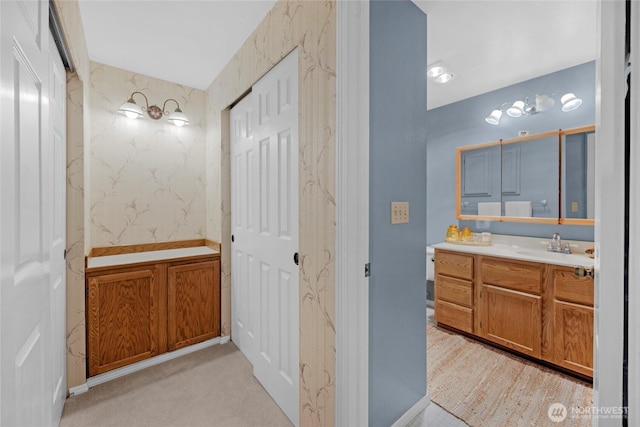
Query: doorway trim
(634, 226)
(352, 213)
(609, 223)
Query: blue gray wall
(398, 122)
(462, 123)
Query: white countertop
(527, 249)
(138, 257)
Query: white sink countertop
(527, 249)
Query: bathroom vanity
(519, 297)
(145, 300)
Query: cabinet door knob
(581, 271)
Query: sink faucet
(555, 245)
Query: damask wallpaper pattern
(310, 26)
(147, 177)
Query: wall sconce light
(542, 103)
(133, 111)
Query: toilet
(430, 274)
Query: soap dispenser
(453, 234)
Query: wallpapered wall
(309, 25)
(77, 169)
(147, 177)
(124, 178)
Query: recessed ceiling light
(444, 77)
(435, 71)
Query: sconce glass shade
(130, 109)
(543, 102)
(516, 110)
(570, 102)
(494, 117)
(177, 118)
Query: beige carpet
(211, 387)
(487, 387)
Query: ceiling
(492, 44)
(183, 41)
(486, 44)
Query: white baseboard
(138, 366)
(224, 340)
(419, 406)
(82, 388)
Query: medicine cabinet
(545, 178)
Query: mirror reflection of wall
(530, 177)
(578, 175)
(480, 181)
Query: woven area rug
(488, 387)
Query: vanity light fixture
(438, 72)
(542, 103)
(570, 102)
(494, 117)
(133, 111)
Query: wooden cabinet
(147, 308)
(572, 321)
(512, 319)
(123, 317)
(193, 303)
(511, 304)
(540, 310)
(454, 290)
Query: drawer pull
(581, 271)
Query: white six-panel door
(243, 203)
(264, 170)
(32, 210)
(57, 185)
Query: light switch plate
(399, 212)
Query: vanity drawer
(454, 315)
(454, 290)
(454, 264)
(524, 277)
(568, 287)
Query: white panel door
(244, 286)
(275, 118)
(25, 358)
(57, 222)
(265, 212)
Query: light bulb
(435, 71)
(516, 109)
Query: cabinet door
(573, 336)
(123, 319)
(193, 303)
(512, 319)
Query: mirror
(543, 178)
(578, 176)
(479, 180)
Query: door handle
(295, 258)
(581, 272)
(233, 238)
